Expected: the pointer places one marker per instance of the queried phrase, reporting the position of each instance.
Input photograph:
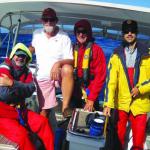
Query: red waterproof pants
(138, 126)
(13, 130)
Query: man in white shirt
(54, 56)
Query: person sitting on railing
(16, 84)
(53, 50)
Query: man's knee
(67, 70)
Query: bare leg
(67, 85)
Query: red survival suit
(10, 125)
(97, 66)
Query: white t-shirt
(49, 51)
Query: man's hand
(106, 111)
(32, 49)
(89, 105)
(5, 80)
(56, 71)
(135, 92)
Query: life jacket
(16, 74)
(85, 64)
(19, 75)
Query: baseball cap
(49, 13)
(129, 26)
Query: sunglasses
(130, 30)
(22, 56)
(83, 31)
(49, 19)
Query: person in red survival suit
(16, 84)
(89, 66)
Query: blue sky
(142, 3)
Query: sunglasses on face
(129, 30)
(83, 31)
(49, 19)
(22, 56)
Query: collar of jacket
(142, 51)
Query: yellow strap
(84, 94)
(85, 63)
(75, 58)
(18, 106)
(105, 127)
